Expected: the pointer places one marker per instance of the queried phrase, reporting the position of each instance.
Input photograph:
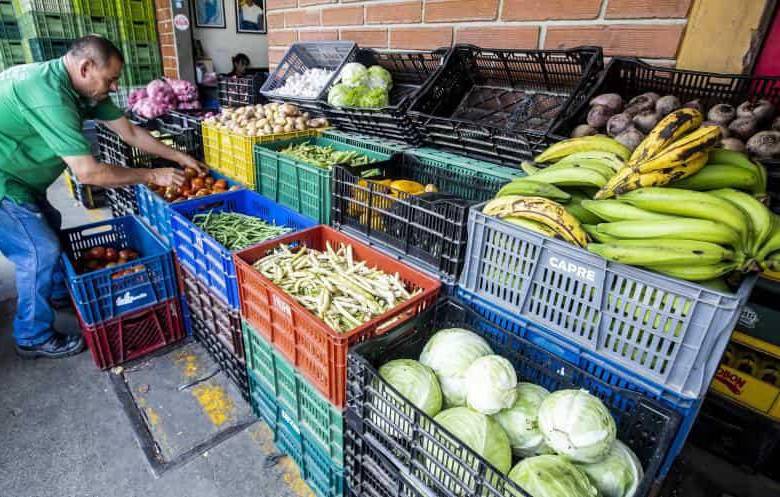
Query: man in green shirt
(42, 109)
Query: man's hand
(188, 161)
(167, 176)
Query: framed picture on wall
(209, 13)
(250, 16)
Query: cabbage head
(416, 382)
(491, 384)
(551, 476)
(480, 433)
(577, 425)
(354, 74)
(618, 475)
(341, 95)
(520, 421)
(379, 77)
(374, 98)
(449, 353)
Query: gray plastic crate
(660, 333)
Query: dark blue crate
(156, 212)
(608, 374)
(204, 256)
(98, 295)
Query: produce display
(325, 156)
(752, 126)
(101, 257)
(564, 443)
(237, 231)
(675, 204)
(263, 120)
(341, 291)
(195, 185)
(308, 84)
(163, 95)
(358, 86)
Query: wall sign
(181, 22)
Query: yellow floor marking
(215, 402)
(188, 363)
(291, 475)
(264, 438)
(152, 416)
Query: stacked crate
(138, 34)
(47, 28)
(97, 17)
(128, 308)
(11, 51)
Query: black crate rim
(356, 420)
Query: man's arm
(138, 137)
(91, 172)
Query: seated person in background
(240, 65)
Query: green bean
(236, 231)
(325, 156)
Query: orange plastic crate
(318, 351)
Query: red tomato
(208, 181)
(197, 184)
(111, 255)
(97, 253)
(221, 183)
(190, 173)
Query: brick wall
(170, 60)
(651, 29)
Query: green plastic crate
(42, 49)
(298, 185)
(48, 25)
(323, 477)
(11, 53)
(95, 8)
(137, 31)
(376, 144)
(55, 6)
(137, 75)
(141, 54)
(476, 165)
(135, 10)
(106, 27)
(307, 407)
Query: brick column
(170, 60)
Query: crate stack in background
(97, 17)
(11, 49)
(140, 46)
(47, 28)
(122, 282)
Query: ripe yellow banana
(624, 182)
(615, 210)
(530, 187)
(717, 176)
(732, 158)
(595, 143)
(695, 272)
(680, 151)
(678, 228)
(687, 203)
(540, 228)
(761, 222)
(662, 252)
(541, 210)
(670, 129)
(604, 158)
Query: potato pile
(269, 119)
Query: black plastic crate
(233, 368)
(428, 230)
(500, 104)
(192, 120)
(410, 438)
(90, 196)
(410, 71)
(235, 91)
(121, 200)
(743, 437)
(114, 150)
(330, 55)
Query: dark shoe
(60, 304)
(56, 347)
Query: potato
(289, 128)
(268, 129)
(278, 129)
(262, 122)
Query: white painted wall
(222, 44)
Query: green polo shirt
(41, 119)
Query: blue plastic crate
(608, 374)
(105, 294)
(323, 477)
(208, 259)
(156, 212)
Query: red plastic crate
(318, 351)
(133, 335)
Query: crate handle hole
(97, 230)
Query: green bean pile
(237, 231)
(325, 157)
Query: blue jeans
(28, 238)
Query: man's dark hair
(240, 57)
(97, 48)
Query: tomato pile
(105, 257)
(196, 185)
